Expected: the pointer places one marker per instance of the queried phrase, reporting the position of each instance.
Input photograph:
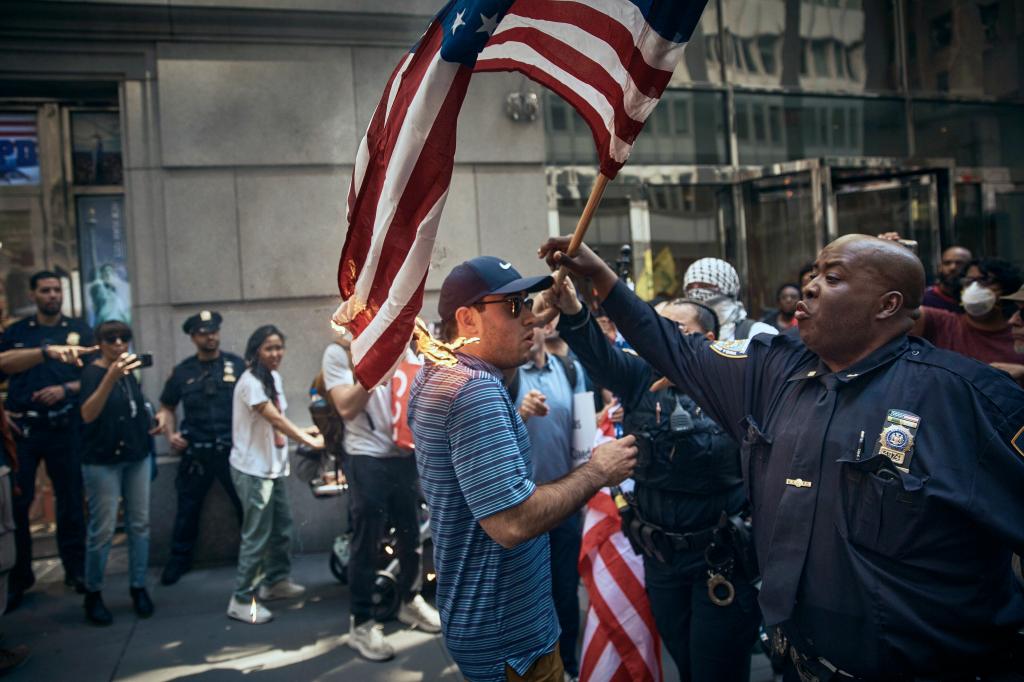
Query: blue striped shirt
(473, 455)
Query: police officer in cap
(884, 474)
(203, 384)
(688, 485)
(42, 401)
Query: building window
(96, 148)
(941, 31)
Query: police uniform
(687, 475)
(50, 433)
(204, 389)
(887, 497)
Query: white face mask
(977, 300)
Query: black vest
(696, 457)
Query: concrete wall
(240, 131)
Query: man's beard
(50, 308)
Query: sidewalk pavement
(190, 637)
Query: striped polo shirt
(473, 455)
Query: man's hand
(1015, 371)
(534, 405)
(51, 395)
(615, 459)
(613, 411)
(177, 441)
(69, 355)
(585, 263)
(562, 297)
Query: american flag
(620, 640)
(610, 59)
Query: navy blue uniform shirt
(28, 333)
(204, 389)
(891, 556)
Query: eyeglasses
(118, 338)
(518, 303)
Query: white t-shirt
(370, 433)
(252, 437)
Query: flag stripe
(620, 639)
(363, 226)
(651, 72)
(373, 130)
(629, 109)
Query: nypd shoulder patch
(1018, 442)
(731, 349)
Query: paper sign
(584, 427)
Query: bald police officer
(885, 475)
(204, 385)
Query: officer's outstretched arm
(625, 375)
(714, 375)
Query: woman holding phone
(115, 464)
(259, 467)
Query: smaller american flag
(620, 639)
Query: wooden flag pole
(596, 192)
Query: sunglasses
(117, 338)
(518, 303)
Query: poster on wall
(19, 158)
(104, 259)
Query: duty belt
(810, 668)
(209, 445)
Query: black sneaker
(142, 603)
(76, 582)
(172, 573)
(96, 612)
(12, 658)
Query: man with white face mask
(714, 283)
(983, 333)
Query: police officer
(204, 384)
(42, 401)
(687, 476)
(885, 475)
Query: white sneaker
(282, 589)
(368, 639)
(253, 612)
(419, 614)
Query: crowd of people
(745, 453)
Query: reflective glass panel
(781, 234)
(973, 134)
(773, 128)
(965, 48)
(821, 45)
(687, 127)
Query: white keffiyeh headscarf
(715, 283)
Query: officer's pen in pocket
(860, 447)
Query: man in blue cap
(488, 518)
(204, 384)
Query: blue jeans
(565, 540)
(104, 485)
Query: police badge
(229, 372)
(896, 441)
(73, 338)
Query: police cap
(203, 322)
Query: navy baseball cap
(482, 276)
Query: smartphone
(145, 359)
